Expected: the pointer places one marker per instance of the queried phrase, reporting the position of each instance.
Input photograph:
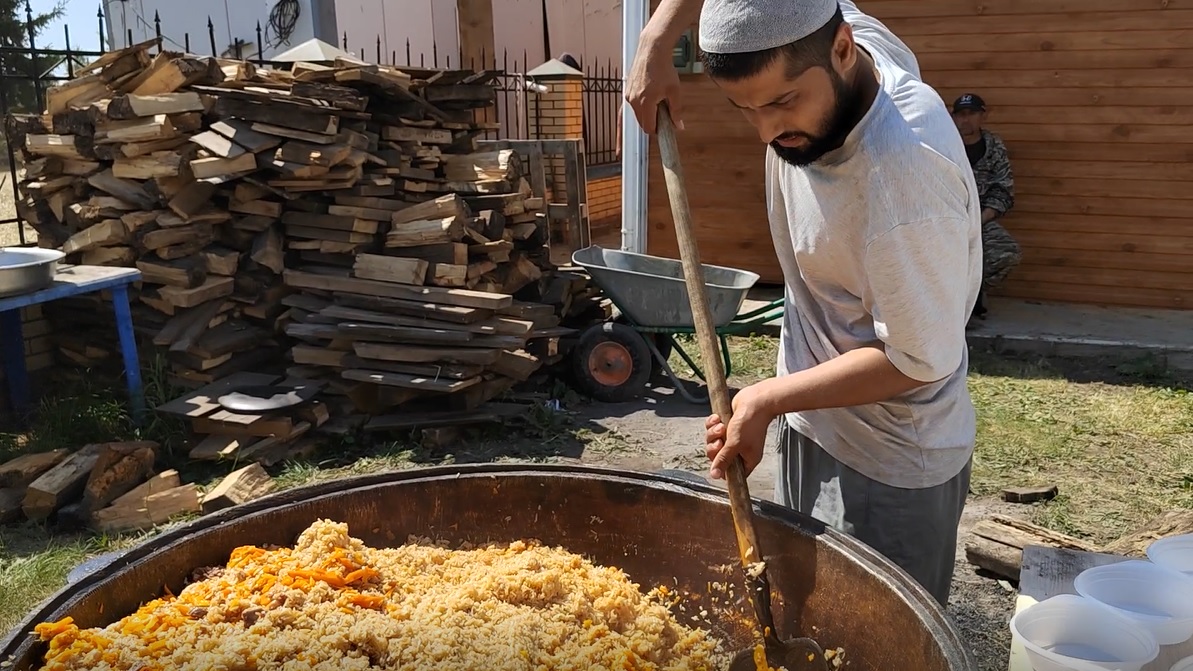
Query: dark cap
(969, 101)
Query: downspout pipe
(634, 142)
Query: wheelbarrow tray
(650, 290)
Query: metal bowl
(24, 270)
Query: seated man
(996, 186)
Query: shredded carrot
(373, 601)
(365, 574)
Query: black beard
(847, 111)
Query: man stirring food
(876, 221)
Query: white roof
(315, 50)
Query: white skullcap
(738, 26)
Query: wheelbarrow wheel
(611, 363)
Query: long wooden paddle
(794, 654)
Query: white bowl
(1185, 664)
(1157, 599)
(1174, 552)
(1072, 633)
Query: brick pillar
(557, 114)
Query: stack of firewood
(342, 216)
(114, 487)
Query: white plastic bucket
(1174, 552)
(1072, 633)
(1156, 598)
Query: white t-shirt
(880, 243)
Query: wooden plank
(241, 133)
(418, 383)
(132, 105)
(411, 354)
(390, 269)
(454, 297)
(217, 145)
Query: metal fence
(26, 72)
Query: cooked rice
(333, 603)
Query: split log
(60, 484)
(19, 472)
(390, 269)
(120, 468)
(997, 544)
(155, 509)
(241, 486)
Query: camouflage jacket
(996, 183)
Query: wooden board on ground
(1029, 494)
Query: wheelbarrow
(614, 361)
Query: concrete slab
(1069, 330)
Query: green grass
(1120, 452)
(1116, 438)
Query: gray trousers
(914, 528)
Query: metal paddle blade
(797, 654)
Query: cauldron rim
(932, 615)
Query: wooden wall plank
(1095, 101)
(915, 9)
(1041, 22)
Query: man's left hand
(745, 434)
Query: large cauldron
(659, 530)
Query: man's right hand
(653, 79)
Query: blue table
(72, 281)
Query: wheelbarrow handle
(706, 335)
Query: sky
(80, 16)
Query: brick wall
(560, 114)
(604, 210)
(39, 349)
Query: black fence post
(100, 15)
(186, 42)
(260, 46)
(378, 49)
(211, 36)
(157, 30)
(70, 59)
(39, 94)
